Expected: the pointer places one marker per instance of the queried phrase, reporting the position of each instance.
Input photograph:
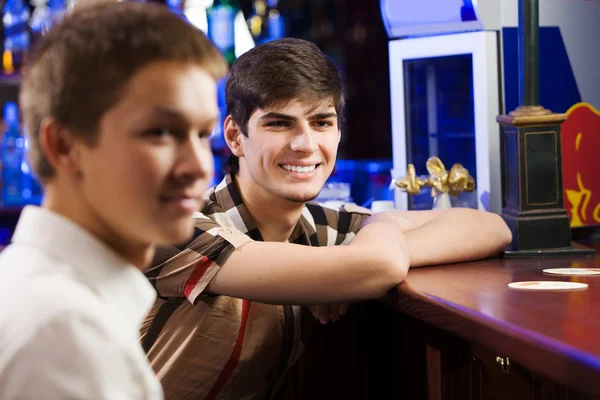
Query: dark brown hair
(81, 67)
(275, 73)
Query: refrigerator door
(445, 99)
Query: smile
(182, 202)
(303, 169)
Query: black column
(532, 192)
(529, 53)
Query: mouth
(300, 169)
(182, 203)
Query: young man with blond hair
(226, 325)
(119, 116)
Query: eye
(206, 134)
(158, 132)
(278, 124)
(322, 124)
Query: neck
(64, 200)
(274, 216)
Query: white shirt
(70, 314)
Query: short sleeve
(72, 357)
(334, 226)
(357, 216)
(187, 270)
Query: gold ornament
(453, 182)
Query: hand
(328, 312)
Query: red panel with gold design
(581, 164)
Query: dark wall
(351, 32)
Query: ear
(59, 147)
(233, 136)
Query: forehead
(299, 107)
(186, 87)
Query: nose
(304, 141)
(195, 159)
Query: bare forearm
(446, 236)
(464, 235)
(286, 273)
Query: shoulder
(212, 215)
(350, 208)
(36, 289)
(59, 318)
(68, 355)
(333, 225)
(348, 215)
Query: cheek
(332, 146)
(140, 173)
(208, 165)
(271, 151)
(328, 145)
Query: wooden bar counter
(459, 332)
(553, 334)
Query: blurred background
(351, 32)
(453, 70)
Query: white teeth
(298, 168)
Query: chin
(300, 197)
(177, 234)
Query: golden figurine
(443, 183)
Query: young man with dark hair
(226, 325)
(119, 117)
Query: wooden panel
(441, 337)
(555, 334)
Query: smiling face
(145, 177)
(289, 151)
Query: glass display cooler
(445, 94)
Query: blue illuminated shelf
(10, 80)
(15, 211)
(10, 211)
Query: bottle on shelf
(275, 22)
(266, 23)
(257, 20)
(12, 153)
(221, 20)
(15, 16)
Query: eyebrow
(287, 117)
(168, 113)
(176, 116)
(275, 115)
(322, 116)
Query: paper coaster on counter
(572, 271)
(547, 285)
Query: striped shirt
(218, 347)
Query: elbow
(490, 230)
(500, 232)
(389, 274)
(504, 232)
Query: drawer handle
(504, 364)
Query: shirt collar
(119, 283)
(227, 196)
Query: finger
(313, 311)
(343, 309)
(334, 313)
(323, 312)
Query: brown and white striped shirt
(219, 347)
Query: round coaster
(572, 271)
(547, 285)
